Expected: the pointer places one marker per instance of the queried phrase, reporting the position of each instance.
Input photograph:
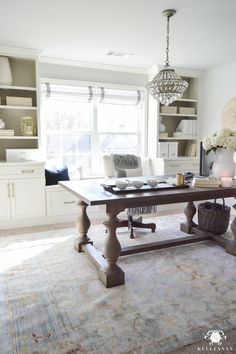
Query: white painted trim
(20, 52)
(90, 83)
(91, 65)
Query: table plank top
(92, 193)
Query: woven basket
(213, 217)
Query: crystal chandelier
(167, 86)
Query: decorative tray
(145, 188)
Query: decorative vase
(2, 124)
(162, 127)
(223, 165)
(5, 71)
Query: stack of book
(6, 132)
(187, 128)
(206, 182)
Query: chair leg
(139, 224)
(131, 223)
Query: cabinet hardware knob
(27, 171)
(72, 202)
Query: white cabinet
(22, 190)
(161, 166)
(27, 197)
(60, 202)
(5, 204)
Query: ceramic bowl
(152, 182)
(121, 184)
(137, 184)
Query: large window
(82, 123)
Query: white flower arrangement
(224, 138)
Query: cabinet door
(28, 197)
(5, 201)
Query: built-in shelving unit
(177, 147)
(24, 85)
(180, 118)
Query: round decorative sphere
(2, 124)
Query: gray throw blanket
(129, 161)
(122, 162)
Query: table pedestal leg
(111, 274)
(231, 244)
(189, 212)
(83, 225)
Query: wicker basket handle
(221, 198)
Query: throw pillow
(54, 176)
(128, 172)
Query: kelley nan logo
(215, 336)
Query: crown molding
(20, 52)
(83, 64)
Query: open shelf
(173, 138)
(186, 100)
(14, 137)
(178, 115)
(19, 107)
(23, 88)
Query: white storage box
(15, 155)
(173, 149)
(169, 109)
(187, 110)
(19, 101)
(163, 149)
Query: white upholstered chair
(142, 168)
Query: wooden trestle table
(90, 192)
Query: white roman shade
(73, 92)
(68, 92)
(123, 97)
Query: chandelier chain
(167, 40)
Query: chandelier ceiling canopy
(167, 86)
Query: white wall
(218, 86)
(66, 72)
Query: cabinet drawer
(22, 171)
(172, 167)
(61, 203)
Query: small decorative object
(121, 184)
(27, 126)
(162, 127)
(167, 86)
(226, 181)
(2, 124)
(179, 179)
(19, 101)
(223, 143)
(5, 71)
(152, 182)
(137, 184)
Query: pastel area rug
(51, 300)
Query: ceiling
(202, 31)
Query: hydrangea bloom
(224, 138)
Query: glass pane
(69, 144)
(119, 143)
(84, 144)
(118, 118)
(67, 115)
(53, 144)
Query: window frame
(94, 133)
